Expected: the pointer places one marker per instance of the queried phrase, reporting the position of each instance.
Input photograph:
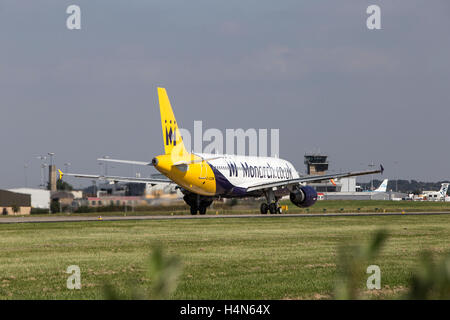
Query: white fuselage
(245, 171)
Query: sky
(311, 69)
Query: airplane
(202, 178)
(437, 195)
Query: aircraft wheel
(279, 210)
(202, 210)
(264, 208)
(273, 208)
(193, 210)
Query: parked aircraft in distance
(381, 188)
(436, 195)
(205, 177)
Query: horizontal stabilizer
(139, 163)
(152, 181)
(178, 163)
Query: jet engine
(304, 196)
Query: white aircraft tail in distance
(444, 189)
(202, 178)
(382, 187)
(441, 195)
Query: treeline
(405, 186)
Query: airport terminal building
(317, 164)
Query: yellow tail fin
(173, 143)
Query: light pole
(42, 158)
(106, 165)
(371, 165)
(396, 176)
(43, 166)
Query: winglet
(60, 174)
(381, 168)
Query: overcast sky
(310, 68)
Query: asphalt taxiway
(80, 218)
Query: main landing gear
(197, 203)
(195, 209)
(272, 205)
(273, 208)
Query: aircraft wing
(151, 181)
(145, 163)
(311, 179)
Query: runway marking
(27, 219)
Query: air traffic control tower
(316, 164)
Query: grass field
(371, 206)
(252, 206)
(288, 258)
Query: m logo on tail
(172, 140)
(171, 137)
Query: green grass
(371, 206)
(252, 206)
(277, 258)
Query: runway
(68, 218)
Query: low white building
(335, 185)
(77, 194)
(39, 198)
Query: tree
(54, 206)
(62, 185)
